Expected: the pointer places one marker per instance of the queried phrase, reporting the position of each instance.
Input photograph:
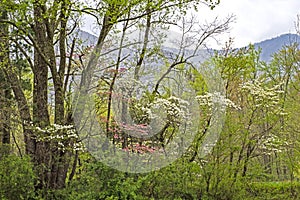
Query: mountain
(268, 47)
(86, 38)
(271, 46)
(172, 40)
(170, 45)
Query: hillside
(268, 46)
(271, 46)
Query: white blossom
(272, 143)
(175, 108)
(64, 136)
(262, 95)
(216, 99)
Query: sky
(256, 20)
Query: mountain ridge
(273, 45)
(268, 46)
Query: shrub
(16, 178)
(274, 190)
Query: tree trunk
(48, 154)
(40, 99)
(5, 96)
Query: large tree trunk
(5, 109)
(40, 87)
(48, 154)
(40, 112)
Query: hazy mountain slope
(169, 46)
(86, 38)
(271, 46)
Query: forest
(129, 117)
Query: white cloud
(257, 20)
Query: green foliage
(97, 181)
(17, 178)
(198, 82)
(273, 190)
(180, 180)
(257, 143)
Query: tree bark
(5, 96)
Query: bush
(274, 190)
(97, 181)
(16, 178)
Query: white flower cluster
(54, 132)
(146, 111)
(216, 100)
(141, 112)
(176, 109)
(55, 128)
(65, 136)
(272, 143)
(263, 97)
(78, 146)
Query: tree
(40, 31)
(5, 96)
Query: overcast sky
(256, 20)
